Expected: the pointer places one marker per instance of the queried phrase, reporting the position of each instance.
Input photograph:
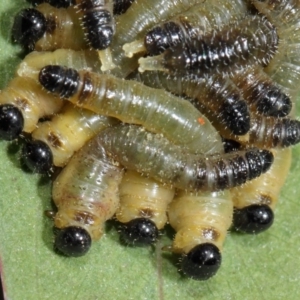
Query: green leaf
(254, 267)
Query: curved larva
(252, 40)
(197, 21)
(22, 103)
(215, 93)
(142, 208)
(69, 130)
(86, 192)
(155, 156)
(49, 28)
(200, 221)
(262, 94)
(266, 188)
(79, 60)
(133, 102)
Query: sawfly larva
(195, 22)
(86, 194)
(255, 201)
(48, 28)
(201, 222)
(55, 141)
(217, 94)
(22, 103)
(142, 209)
(133, 102)
(252, 40)
(155, 156)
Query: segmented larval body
(22, 103)
(285, 67)
(133, 102)
(200, 218)
(265, 132)
(69, 130)
(143, 197)
(262, 94)
(79, 60)
(86, 192)
(97, 21)
(217, 94)
(46, 28)
(252, 40)
(201, 222)
(195, 22)
(265, 189)
(141, 16)
(155, 156)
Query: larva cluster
(210, 76)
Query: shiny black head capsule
(11, 122)
(29, 26)
(73, 241)
(139, 232)
(253, 218)
(37, 156)
(202, 262)
(59, 80)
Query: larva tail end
(139, 232)
(37, 157)
(267, 159)
(134, 47)
(11, 122)
(202, 262)
(73, 241)
(253, 219)
(151, 63)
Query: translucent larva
(201, 222)
(214, 93)
(22, 103)
(252, 40)
(48, 28)
(255, 201)
(142, 209)
(156, 157)
(86, 194)
(133, 102)
(80, 60)
(194, 22)
(60, 137)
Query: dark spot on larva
(50, 25)
(22, 103)
(265, 199)
(54, 140)
(86, 90)
(146, 213)
(84, 218)
(210, 234)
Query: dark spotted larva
(194, 22)
(133, 102)
(201, 222)
(154, 156)
(261, 93)
(60, 137)
(86, 194)
(22, 103)
(48, 28)
(255, 201)
(252, 40)
(217, 94)
(142, 209)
